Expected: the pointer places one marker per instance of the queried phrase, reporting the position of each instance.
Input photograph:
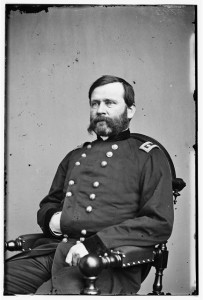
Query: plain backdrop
(52, 58)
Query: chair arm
(91, 265)
(23, 242)
(132, 255)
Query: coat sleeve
(53, 202)
(154, 221)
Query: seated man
(112, 192)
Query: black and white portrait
(63, 69)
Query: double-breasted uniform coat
(111, 193)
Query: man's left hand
(75, 253)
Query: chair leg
(160, 263)
(157, 286)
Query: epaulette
(148, 146)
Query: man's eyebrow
(105, 100)
(109, 99)
(95, 100)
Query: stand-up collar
(119, 137)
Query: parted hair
(129, 95)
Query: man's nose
(101, 109)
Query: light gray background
(52, 60)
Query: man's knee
(24, 276)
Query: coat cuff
(94, 244)
(46, 229)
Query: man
(108, 193)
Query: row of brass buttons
(95, 184)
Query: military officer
(114, 191)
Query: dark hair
(106, 79)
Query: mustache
(100, 119)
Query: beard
(105, 126)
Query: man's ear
(131, 111)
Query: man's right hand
(54, 223)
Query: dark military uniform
(111, 193)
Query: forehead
(113, 90)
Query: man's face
(108, 110)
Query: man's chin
(102, 130)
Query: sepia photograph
(100, 149)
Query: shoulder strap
(148, 146)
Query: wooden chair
(122, 257)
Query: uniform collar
(119, 137)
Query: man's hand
(75, 253)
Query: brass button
(104, 163)
(109, 154)
(71, 182)
(114, 147)
(84, 231)
(89, 209)
(84, 155)
(65, 238)
(77, 163)
(92, 196)
(89, 146)
(96, 184)
(68, 194)
(82, 239)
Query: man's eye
(94, 104)
(109, 103)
